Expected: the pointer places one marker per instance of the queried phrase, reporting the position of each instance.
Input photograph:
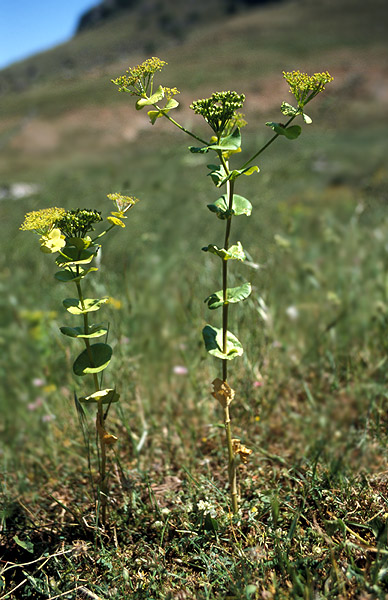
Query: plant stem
(228, 432)
(181, 126)
(273, 138)
(231, 461)
(100, 430)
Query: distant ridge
(114, 29)
(195, 10)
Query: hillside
(172, 18)
(114, 29)
(72, 108)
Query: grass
(311, 400)
(311, 386)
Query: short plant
(68, 233)
(221, 112)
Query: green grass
(311, 388)
(314, 500)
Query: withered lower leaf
(222, 392)
(243, 451)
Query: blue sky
(31, 26)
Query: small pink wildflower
(180, 370)
(48, 418)
(34, 405)
(38, 382)
(257, 384)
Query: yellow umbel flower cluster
(122, 204)
(42, 221)
(139, 77)
(170, 92)
(306, 87)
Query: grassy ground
(310, 388)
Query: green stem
(181, 126)
(86, 330)
(267, 144)
(100, 430)
(232, 476)
(102, 233)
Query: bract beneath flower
(52, 242)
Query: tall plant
(68, 233)
(221, 113)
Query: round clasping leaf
(212, 336)
(78, 332)
(99, 360)
(75, 306)
(104, 396)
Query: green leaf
(218, 174)
(290, 133)
(233, 295)
(25, 544)
(231, 142)
(210, 524)
(100, 358)
(94, 331)
(74, 306)
(235, 252)
(238, 172)
(195, 150)
(70, 275)
(73, 256)
(154, 114)
(240, 206)
(156, 97)
(172, 103)
(220, 208)
(104, 396)
(250, 590)
(79, 243)
(293, 132)
(213, 343)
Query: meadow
(311, 386)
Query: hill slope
(72, 108)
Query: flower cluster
(122, 204)
(42, 221)
(306, 87)
(207, 508)
(219, 110)
(139, 78)
(77, 223)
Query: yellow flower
(117, 304)
(42, 221)
(49, 388)
(306, 87)
(138, 78)
(122, 203)
(170, 92)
